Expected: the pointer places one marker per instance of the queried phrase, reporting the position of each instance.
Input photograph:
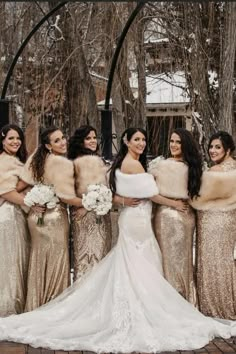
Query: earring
(50, 151)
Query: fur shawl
(89, 169)
(171, 177)
(140, 185)
(10, 171)
(217, 192)
(59, 172)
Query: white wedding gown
(124, 304)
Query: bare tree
(227, 68)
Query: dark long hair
(226, 140)
(76, 142)
(39, 158)
(126, 135)
(192, 157)
(22, 152)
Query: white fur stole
(141, 185)
(171, 177)
(89, 169)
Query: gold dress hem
(14, 249)
(49, 259)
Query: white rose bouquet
(43, 195)
(98, 198)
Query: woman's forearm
(178, 204)
(14, 197)
(77, 201)
(118, 200)
(159, 199)
(126, 201)
(21, 185)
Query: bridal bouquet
(43, 195)
(98, 198)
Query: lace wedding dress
(124, 304)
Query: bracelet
(123, 202)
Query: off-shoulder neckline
(131, 174)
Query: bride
(124, 304)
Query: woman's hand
(38, 209)
(81, 211)
(178, 204)
(78, 212)
(131, 202)
(126, 201)
(181, 205)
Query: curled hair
(192, 157)
(22, 152)
(76, 142)
(126, 135)
(39, 158)
(226, 140)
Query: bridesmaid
(14, 238)
(49, 258)
(91, 240)
(216, 231)
(178, 178)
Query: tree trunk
(227, 69)
(139, 26)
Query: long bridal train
(124, 304)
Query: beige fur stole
(217, 192)
(171, 177)
(10, 171)
(59, 172)
(89, 170)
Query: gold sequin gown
(49, 258)
(124, 305)
(91, 240)
(216, 266)
(14, 242)
(173, 229)
(14, 250)
(91, 236)
(174, 232)
(49, 269)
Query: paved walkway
(218, 346)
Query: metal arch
(130, 20)
(25, 42)
(106, 113)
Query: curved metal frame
(23, 45)
(106, 114)
(130, 20)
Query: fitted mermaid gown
(124, 304)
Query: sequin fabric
(124, 305)
(174, 232)
(14, 251)
(91, 240)
(49, 259)
(216, 266)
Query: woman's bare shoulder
(131, 166)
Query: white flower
(98, 199)
(43, 195)
(154, 163)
